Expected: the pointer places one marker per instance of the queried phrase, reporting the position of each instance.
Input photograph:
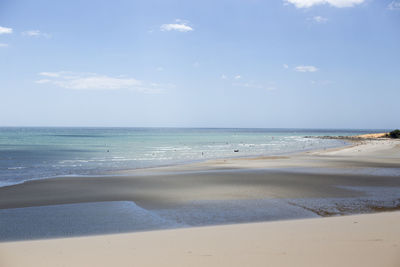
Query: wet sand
(318, 174)
(167, 190)
(361, 178)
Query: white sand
(361, 240)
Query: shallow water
(96, 218)
(35, 153)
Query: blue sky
(236, 63)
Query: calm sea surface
(35, 153)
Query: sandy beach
(313, 174)
(362, 177)
(361, 240)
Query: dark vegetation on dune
(394, 134)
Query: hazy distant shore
(361, 137)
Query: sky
(226, 63)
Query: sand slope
(361, 240)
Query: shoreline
(212, 164)
(284, 162)
(205, 161)
(179, 164)
(358, 178)
(348, 141)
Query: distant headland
(393, 134)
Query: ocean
(42, 152)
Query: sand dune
(362, 240)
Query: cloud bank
(94, 81)
(334, 3)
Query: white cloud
(237, 77)
(5, 30)
(3, 45)
(93, 81)
(35, 33)
(334, 3)
(176, 27)
(306, 69)
(224, 77)
(179, 25)
(50, 74)
(286, 66)
(319, 19)
(160, 69)
(394, 5)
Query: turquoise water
(35, 153)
